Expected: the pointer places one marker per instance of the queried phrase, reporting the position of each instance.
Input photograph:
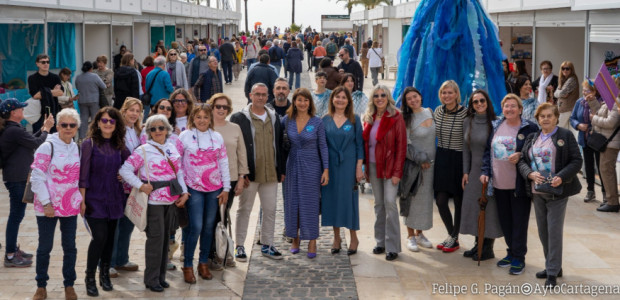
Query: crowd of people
(166, 128)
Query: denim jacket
(526, 128)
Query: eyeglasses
(106, 121)
(202, 50)
(340, 55)
(480, 101)
(157, 128)
(164, 107)
(175, 101)
(44, 62)
(68, 125)
(379, 95)
(219, 106)
(260, 94)
(546, 69)
(565, 69)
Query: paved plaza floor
(591, 259)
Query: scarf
(542, 88)
(172, 66)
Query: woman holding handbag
(607, 122)
(550, 162)
(159, 165)
(205, 162)
(103, 153)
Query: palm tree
(293, 12)
(368, 4)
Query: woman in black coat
(550, 157)
(294, 57)
(126, 81)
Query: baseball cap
(10, 105)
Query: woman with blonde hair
(567, 92)
(176, 70)
(132, 117)
(499, 170)
(448, 173)
(385, 147)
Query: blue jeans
(250, 61)
(227, 70)
(122, 237)
(147, 110)
(278, 66)
(297, 79)
(16, 213)
(202, 208)
(47, 226)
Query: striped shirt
(449, 128)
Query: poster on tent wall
(19, 46)
(61, 45)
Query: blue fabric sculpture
(451, 39)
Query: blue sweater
(162, 85)
(576, 118)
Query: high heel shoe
(294, 250)
(337, 250)
(353, 251)
(311, 254)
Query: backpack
(331, 49)
(273, 55)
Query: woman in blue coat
(306, 171)
(294, 57)
(339, 199)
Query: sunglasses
(565, 69)
(157, 128)
(175, 101)
(379, 95)
(481, 101)
(68, 125)
(163, 107)
(219, 106)
(202, 50)
(44, 62)
(173, 54)
(106, 121)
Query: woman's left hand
(557, 181)
(359, 174)
(514, 158)
(325, 177)
(222, 198)
(395, 180)
(181, 201)
(82, 208)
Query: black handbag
(146, 97)
(598, 142)
(103, 101)
(546, 187)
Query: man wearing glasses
(349, 65)
(262, 135)
(46, 87)
(199, 65)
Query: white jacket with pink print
(55, 179)
(158, 167)
(205, 161)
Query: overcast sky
(278, 12)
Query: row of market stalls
(585, 32)
(72, 31)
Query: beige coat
(606, 121)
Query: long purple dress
(307, 159)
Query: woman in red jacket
(385, 145)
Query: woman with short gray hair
(158, 165)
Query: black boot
(91, 284)
(473, 250)
(487, 250)
(104, 277)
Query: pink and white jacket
(159, 170)
(205, 163)
(173, 139)
(56, 179)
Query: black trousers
(514, 215)
(158, 223)
(102, 243)
(590, 157)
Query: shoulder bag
(28, 193)
(146, 97)
(598, 142)
(137, 203)
(182, 213)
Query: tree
(293, 22)
(368, 4)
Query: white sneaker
(412, 245)
(113, 273)
(423, 241)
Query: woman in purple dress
(103, 153)
(306, 171)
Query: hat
(10, 105)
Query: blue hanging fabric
(61, 45)
(451, 39)
(19, 46)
